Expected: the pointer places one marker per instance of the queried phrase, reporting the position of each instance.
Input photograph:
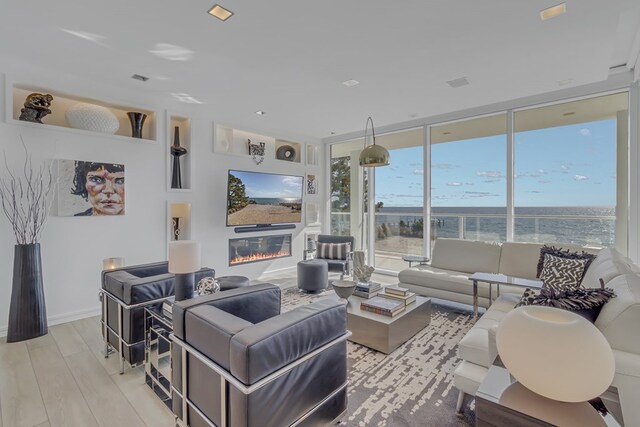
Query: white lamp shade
(112, 263)
(184, 257)
(555, 353)
(180, 210)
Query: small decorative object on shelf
(92, 117)
(256, 151)
(137, 121)
(312, 184)
(286, 152)
(207, 286)
(176, 152)
(36, 106)
(178, 211)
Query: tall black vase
(176, 152)
(137, 121)
(27, 313)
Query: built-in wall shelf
(230, 141)
(178, 221)
(62, 102)
(186, 161)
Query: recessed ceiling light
(462, 81)
(139, 77)
(553, 11)
(569, 113)
(261, 113)
(565, 82)
(350, 83)
(220, 12)
(333, 133)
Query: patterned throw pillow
(529, 297)
(562, 253)
(333, 250)
(562, 273)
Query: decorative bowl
(344, 288)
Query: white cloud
(442, 166)
(585, 132)
(564, 167)
(490, 174)
(534, 192)
(480, 194)
(542, 171)
(418, 172)
(580, 177)
(544, 181)
(454, 184)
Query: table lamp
(112, 263)
(178, 211)
(555, 353)
(184, 261)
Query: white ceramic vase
(92, 117)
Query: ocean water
(576, 225)
(274, 200)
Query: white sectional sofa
(619, 319)
(454, 260)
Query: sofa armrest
(209, 330)
(493, 347)
(253, 304)
(264, 348)
(133, 290)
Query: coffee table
(383, 333)
(499, 279)
(502, 401)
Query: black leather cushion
(336, 265)
(232, 282)
(262, 349)
(253, 304)
(209, 330)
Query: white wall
(73, 247)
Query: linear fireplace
(259, 248)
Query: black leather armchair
(342, 266)
(125, 293)
(238, 362)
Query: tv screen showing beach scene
(255, 198)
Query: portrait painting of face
(90, 188)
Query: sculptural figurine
(36, 106)
(363, 273)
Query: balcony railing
(574, 229)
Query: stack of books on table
(367, 290)
(384, 306)
(167, 309)
(398, 294)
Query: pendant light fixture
(373, 155)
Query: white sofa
(454, 260)
(619, 321)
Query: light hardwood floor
(63, 380)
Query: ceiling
(289, 58)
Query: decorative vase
(92, 117)
(137, 121)
(176, 152)
(27, 312)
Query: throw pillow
(333, 250)
(587, 302)
(529, 297)
(559, 273)
(562, 253)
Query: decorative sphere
(92, 117)
(555, 353)
(207, 285)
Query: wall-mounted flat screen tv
(256, 198)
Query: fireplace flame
(258, 257)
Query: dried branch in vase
(26, 198)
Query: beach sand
(264, 214)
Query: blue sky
(563, 166)
(264, 185)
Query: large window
(568, 186)
(468, 179)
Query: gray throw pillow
(562, 273)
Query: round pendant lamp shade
(555, 353)
(184, 257)
(373, 155)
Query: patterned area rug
(413, 386)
